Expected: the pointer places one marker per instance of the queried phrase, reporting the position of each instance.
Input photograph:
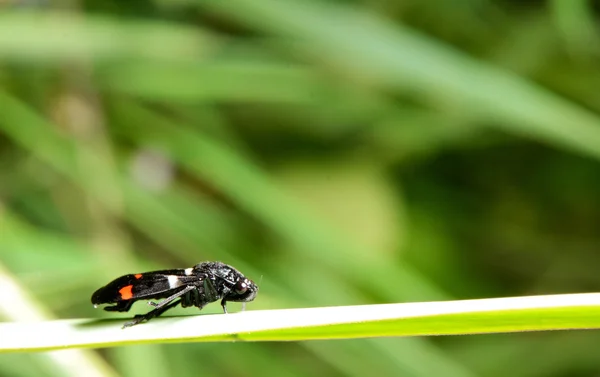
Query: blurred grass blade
(247, 184)
(367, 47)
(17, 305)
(234, 175)
(576, 22)
(223, 80)
(47, 37)
(533, 313)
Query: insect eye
(241, 287)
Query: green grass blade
(52, 37)
(533, 313)
(369, 48)
(17, 304)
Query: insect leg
(160, 308)
(224, 301)
(210, 292)
(171, 298)
(224, 305)
(121, 306)
(139, 318)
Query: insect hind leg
(139, 318)
(121, 306)
(160, 308)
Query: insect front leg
(224, 300)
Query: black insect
(196, 286)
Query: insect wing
(155, 284)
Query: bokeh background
(339, 152)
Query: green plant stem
(532, 313)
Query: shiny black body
(197, 286)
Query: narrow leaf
(533, 313)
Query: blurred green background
(339, 152)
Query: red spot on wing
(125, 292)
(138, 276)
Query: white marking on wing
(174, 281)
